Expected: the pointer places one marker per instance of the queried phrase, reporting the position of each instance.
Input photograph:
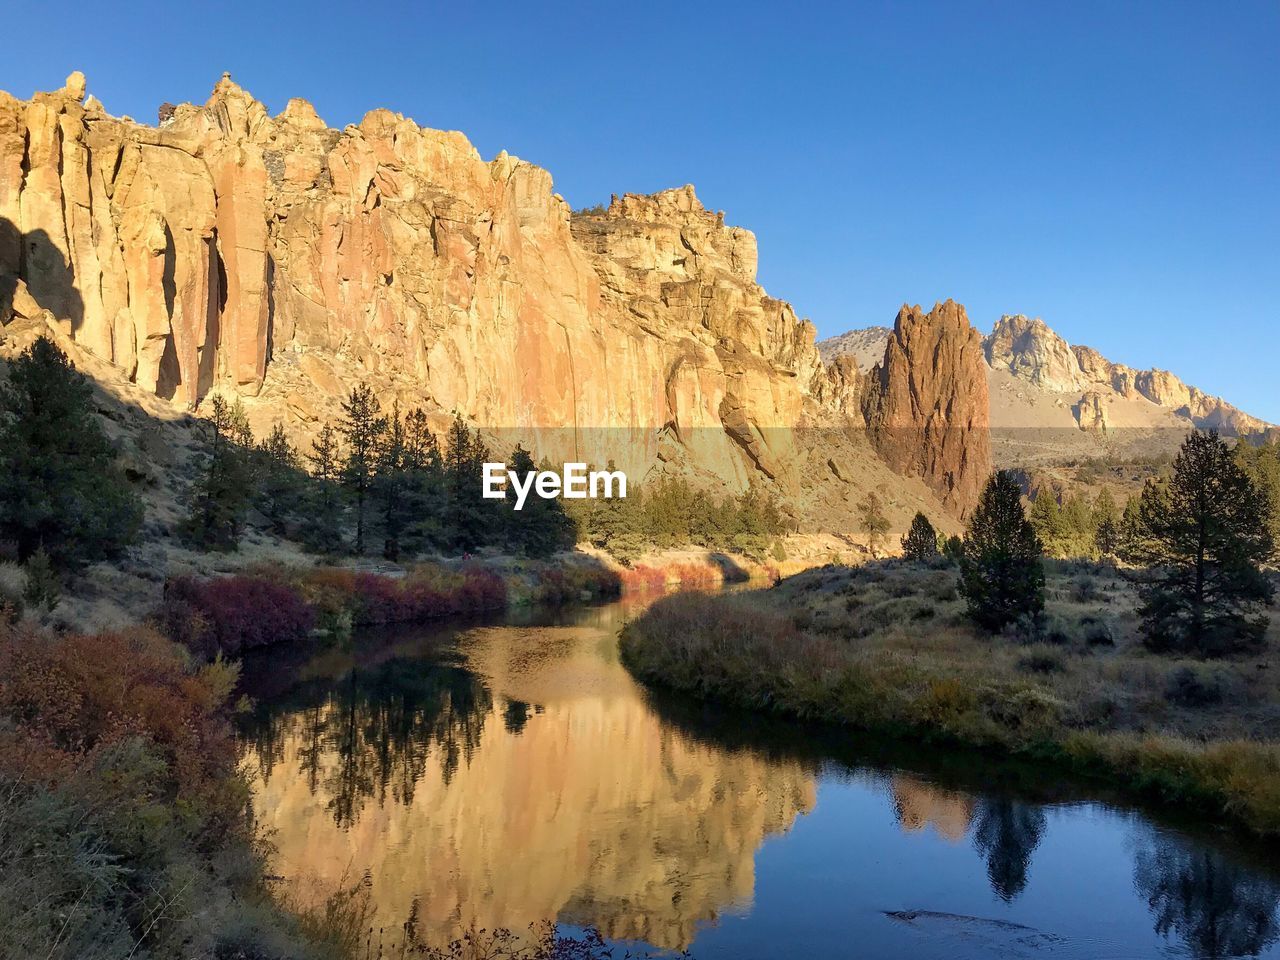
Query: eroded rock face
(1029, 349)
(274, 256)
(1091, 412)
(927, 405)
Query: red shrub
(229, 614)
(70, 696)
(643, 579)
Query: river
(510, 771)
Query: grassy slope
(887, 647)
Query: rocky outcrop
(926, 405)
(274, 257)
(1032, 352)
(1091, 412)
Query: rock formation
(230, 249)
(926, 404)
(280, 260)
(1091, 412)
(1032, 352)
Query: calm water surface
(508, 772)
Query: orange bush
(72, 696)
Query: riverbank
(264, 606)
(886, 647)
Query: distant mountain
(865, 345)
(1051, 399)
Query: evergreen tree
(362, 427)
(1201, 539)
(1106, 524)
(874, 522)
(222, 493)
(1046, 519)
(953, 548)
(469, 516)
(425, 494)
(391, 483)
(921, 541)
(1262, 464)
(279, 478)
(60, 486)
(1077, 528)
(321, 529)
(1002, 573)
(540, 527)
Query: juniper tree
(921, 541)
(362, 427)
(1002, 571)
(61, 488)
(1199, 540)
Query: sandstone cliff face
(272, 256)
(926, 405)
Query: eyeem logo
(575, 483)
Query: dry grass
(888, 647)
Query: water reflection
(506, 774)
(1005, 833)
(1216, 907)
(539, 785)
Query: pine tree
(60, 486)
(540, 527)
(469, 516)
(279, 478)
(874, 522)
(391, 483)
(362, 428)
(321, 528)
(1002, 573)
(425, 493)
(921, 541)
(225, 487)
(1200, 540)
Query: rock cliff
(1031, 351)
(272, 257)
(926, 404)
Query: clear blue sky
(1112, 167)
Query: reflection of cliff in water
(546, 789)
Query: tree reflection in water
(371, 735)
(1006, 832)
(1218, 908)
